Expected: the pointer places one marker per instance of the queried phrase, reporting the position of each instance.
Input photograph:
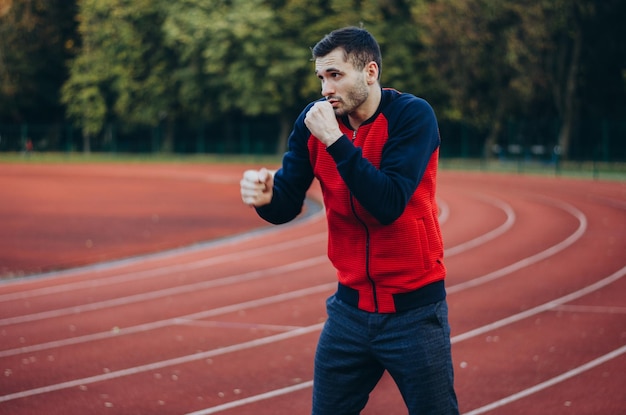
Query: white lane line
(152, 295)
(304, 330)
(185, 288)
(255, 398)
(164, 270)
(171, 321)
(92, 283)
(188, 266)
(164, 363)
(473, 243)
(550, 382)
(318, 213)
(541, 308)
(458, 339)
(591, 309)
(544, 385)
(233, 325)
(444, 211)
(546, 253)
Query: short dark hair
(358, 44)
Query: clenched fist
(257, 187)
(322, 122)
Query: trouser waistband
(428, 294)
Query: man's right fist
(257, 187)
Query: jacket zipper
(367, 243)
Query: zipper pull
(353, 135)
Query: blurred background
(514, 83)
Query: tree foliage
(154, 62)
(122, 71)
(227, 52)
(36, 39)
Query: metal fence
(247, 137)
(533, 141)
(537, 140)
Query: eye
(329, 75)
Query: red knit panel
(403, 256)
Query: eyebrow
(327, 70)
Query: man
(375, 154)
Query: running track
(535, 288)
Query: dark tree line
(151, 63)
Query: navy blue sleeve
(292, 180)
(413, 137)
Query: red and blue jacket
(378, 183)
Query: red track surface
(536, 294)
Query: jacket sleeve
(292, 180)
(413, 137)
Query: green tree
(37, 37)
(252, 57)
(225, 53)
(154, 63)
(302, 24)
(122, 71)
(486, 52)
(586, 63)
(497, 59)
(225, 50)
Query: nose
(327, 89)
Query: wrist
(332, 138)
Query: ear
(371, 72)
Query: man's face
(343, 86)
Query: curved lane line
(138, 275)
(314, 213)
(522, 394)
(546, 253)
(253, 399)
(297, 332)
(473, 243)
(304, 385)
(163, 270)
(154, 325)
(472, 333)
(541, 308)
(444, 211)
(149, 273)
(152, 295)
(550, 382)
(164, 363)
(222, 281)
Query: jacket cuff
(340, 149)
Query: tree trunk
(496, 129)
(167, 145)
(283, 135)
(86, 143)
(492, 139)
(568, 104)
